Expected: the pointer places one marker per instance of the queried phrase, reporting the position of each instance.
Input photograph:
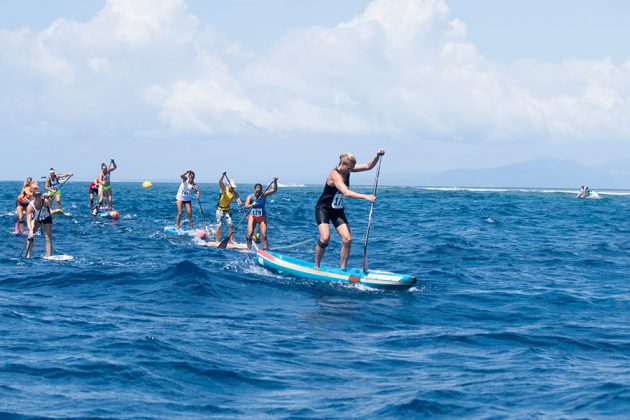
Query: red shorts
(258, 219)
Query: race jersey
(331, 196)
(185, 191)
(225, 199)
(258, 209)
(42, 214)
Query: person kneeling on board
(224, 214)
(330, 206)
(258, 214)
(38, 213)
(184, 199)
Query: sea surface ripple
(522, 309)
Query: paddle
(224, 242)
(203, 215)
(367, 232)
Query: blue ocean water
(522, 308)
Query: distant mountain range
(532, 174)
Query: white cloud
(400, 68)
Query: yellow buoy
(147, 184)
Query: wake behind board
(172, 230)
(215, 244)
(306, 270)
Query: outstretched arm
(274, 188)
(221, 184)
(369, 165)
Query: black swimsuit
(330, 206)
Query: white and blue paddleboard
(306, 270)
(113, 214)
(172, 230)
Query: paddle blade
(95, 210)
(224, 243)
(365, 264)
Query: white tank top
(184, 192)
(53, 183)
(41, 214)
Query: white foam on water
(617, 193)
(471, 189)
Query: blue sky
(282, 87)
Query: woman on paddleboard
(105, 186)
(258, 215)
(93, 189)
(184, 197)
(38, 213)
(25, 197)
(224, 213)
(53, 182)
(330, 206)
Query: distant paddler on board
(330, 206)
(38, 213)
(21, 204)
(183, 199)
(224, 213)
(256, 204)
(53, 183)
(105, 186)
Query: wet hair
(28, 181)
(258, 185)
(347, 157)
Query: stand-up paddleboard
(108, 214)
(172, 230)
(62, 257)
(57, 211)
(303, 269)
(215, 244)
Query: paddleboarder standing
(330, 206)
(104, 186)
(224, 214)
(258, 214)
(184, 197)
(38, 214)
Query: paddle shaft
(369, 224)
(224, 242)
(203, 215)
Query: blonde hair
(347, 157)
